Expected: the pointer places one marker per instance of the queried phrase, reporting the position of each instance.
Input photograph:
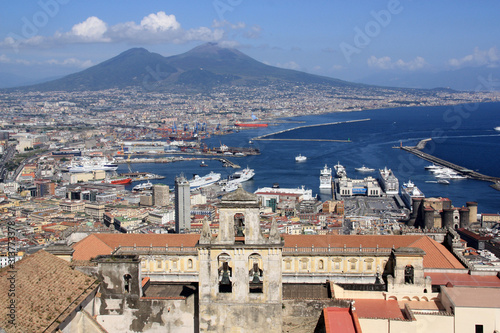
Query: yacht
(325, 178)
(300, 158)
(142, 186)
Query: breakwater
(460, 169)
(267, 136)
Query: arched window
(409, 272)
(190, 263)
(321, 264)
(127, 279)
(225, 274)
(239, 225)
(255, 274)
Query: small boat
(300, 158)
(497, 128)
(203, 164)
(432, 167)
(364, 169)
(443, 181)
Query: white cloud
(153, 28)
(160, 22)
(69, 62)
(386, 63)
(289, 65)
(90, 30)
(479, 57)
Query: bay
(462, 134)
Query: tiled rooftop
(378, 308)
(47, 291)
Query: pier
(460, 169)
(266, 136)
(224, 160)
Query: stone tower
(240, 270)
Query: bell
(225, 279)
(256, 278)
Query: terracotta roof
(479, 297)
(457, 279)
(378, 308)
(436, 255)
(338, 320)
(47, 290)
(101, 244)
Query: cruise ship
(408, 192)
(197, 181)
(388, 181)
(233, 181)
(87, 164)
(340, 170)
(325, 178)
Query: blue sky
(344, 39)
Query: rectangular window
(479, 328)
(158, 264)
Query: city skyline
(349, 41)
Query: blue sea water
(462, 134)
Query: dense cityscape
(48, 203)
(249, 166)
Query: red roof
(103, 244)
(458, 279)
(340, 320)
(436, 255)
(378, 308)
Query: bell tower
(240, 270)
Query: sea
(462, 134)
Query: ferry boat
(197, 181)
(389, 182)
(340, 170)
(87, 164)
(408, 192)
(364, 169)
(242, 176)
(300, 158)
(325, 177)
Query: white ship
(340, 170)
(86, 164)
(300, 158)
(325, 178)
(197, 181)
(364, 169)
(233, 181)
(408, 192)
(389, 182)
(142, 186)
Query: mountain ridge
(203, 67)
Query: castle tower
(240, 270)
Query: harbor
(416, 150)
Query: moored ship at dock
(325, 177)
(410, 191)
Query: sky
(349, 40)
